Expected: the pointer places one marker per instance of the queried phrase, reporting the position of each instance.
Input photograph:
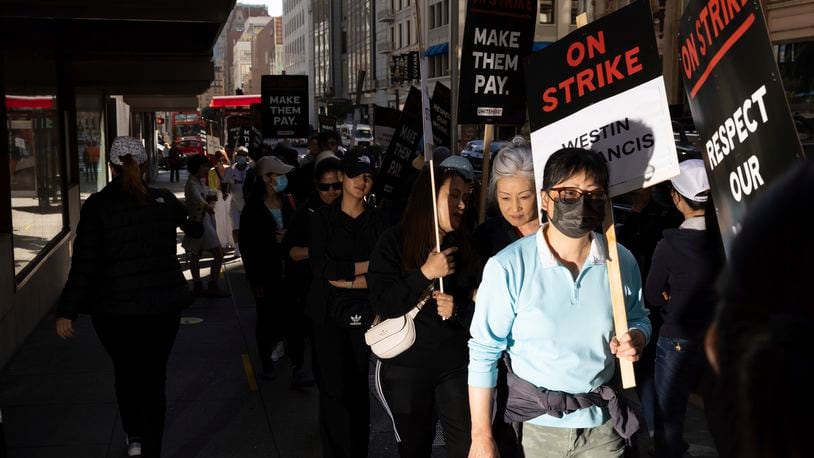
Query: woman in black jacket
(126, 275)
(431, 376)
(263, 224)
(342, 237)
(329, 188)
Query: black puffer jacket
(124, 256)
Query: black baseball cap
(356, 162)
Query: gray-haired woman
(511, 186)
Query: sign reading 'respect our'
(600, 88)
(737, 102)
(497, 35)
(284, 101)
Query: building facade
(231, 33)
(267, 54)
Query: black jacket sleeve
(250, 240)
(657, 277)
(393, 292)
(88, 253)
(321, 263)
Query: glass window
(409, 34)
(90, 146)
(35, 162)
(578, 7)
(546, 12)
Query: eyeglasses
(574, 195)
(324, 187)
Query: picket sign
(426, 118)
(615, 275)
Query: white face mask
(241, 160)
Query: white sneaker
(278, 353)
(133, 447)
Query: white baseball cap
(692, 183)
(271, 164)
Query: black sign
(439, 112)
(401, 151)
(609, 56)
(405, 68)
(737, 102)
(496, 37)
(327, 123)
(284, 99)
(387, 120)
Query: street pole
(454, 8)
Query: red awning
(234, 101)
(22, 102)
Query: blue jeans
(679, 365)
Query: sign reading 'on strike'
(737, 102)
(600, 88)
(497, 35)
(284, 103)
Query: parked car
(688, 142)
(473, 151)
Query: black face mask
(579, 218)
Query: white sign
(631, 130)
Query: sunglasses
(574, 195)
(324, 187)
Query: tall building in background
(267, 54)
(298, 45)
(329, 46)
(231, 34)
(360, 30)
(242, 52)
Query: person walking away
(679, 284)
(329, 189)
(342, 237)
(125, 274)
(545, 302)
(264, 222)
(223, 222)
(233, 180)
(429, 378)
(200, 208)
(176, 161)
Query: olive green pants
(548, 442)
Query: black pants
(344, 402)
(140, 347)
(414, 394)
(271, 322)
(298, 332)
(176, 173)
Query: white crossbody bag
(394, 336)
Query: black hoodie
(685, 265)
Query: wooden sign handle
(617, 293)
(488, 136)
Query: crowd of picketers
(514, 351)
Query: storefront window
(90, 148)
(37, 209)
(796, 61)
(546, 12)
